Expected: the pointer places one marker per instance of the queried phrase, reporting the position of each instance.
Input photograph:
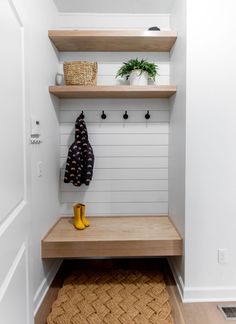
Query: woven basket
(80, 73)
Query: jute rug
(113, 297)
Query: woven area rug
(112, 297)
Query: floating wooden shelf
(113, 237)
(112, 40)
(119, 91)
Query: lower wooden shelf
(116, 91)
(113, 237)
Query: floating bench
(123, 236)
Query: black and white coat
(80, 160)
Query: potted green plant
(138, 71)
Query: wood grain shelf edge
(113, 40)
(120, 91)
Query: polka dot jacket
(80, 160)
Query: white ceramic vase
(138, 77)
(59, 79)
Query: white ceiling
(115, 6)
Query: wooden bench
(123, 236)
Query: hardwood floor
(190, 313)
(203, 313)
(193, 313)
(45, 308)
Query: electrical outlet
(223, 256)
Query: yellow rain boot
(77, 217)
(83, 216)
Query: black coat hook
(103, 115)
(82, 115)
(147, 116)
(126, 116)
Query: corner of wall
(45, 284)
(177, 136)
(177, 275)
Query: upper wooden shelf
(113, 237)
(112, 40)
(120, 91)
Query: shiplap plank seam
(126, 134)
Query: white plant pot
(138, 77)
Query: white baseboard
(177, 277)
(209, 294)
(44, 286)
(201, 294)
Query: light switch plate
(35, 127)
(39, 169)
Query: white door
(14, 173)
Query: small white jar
(59, 79)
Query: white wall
(177, 136)
(207, 219)
(113, 21)
(131, 158)
(41, 66)
(122, 6)
(210, 150)
(208, 216)
(201, 197)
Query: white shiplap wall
(131, 157)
